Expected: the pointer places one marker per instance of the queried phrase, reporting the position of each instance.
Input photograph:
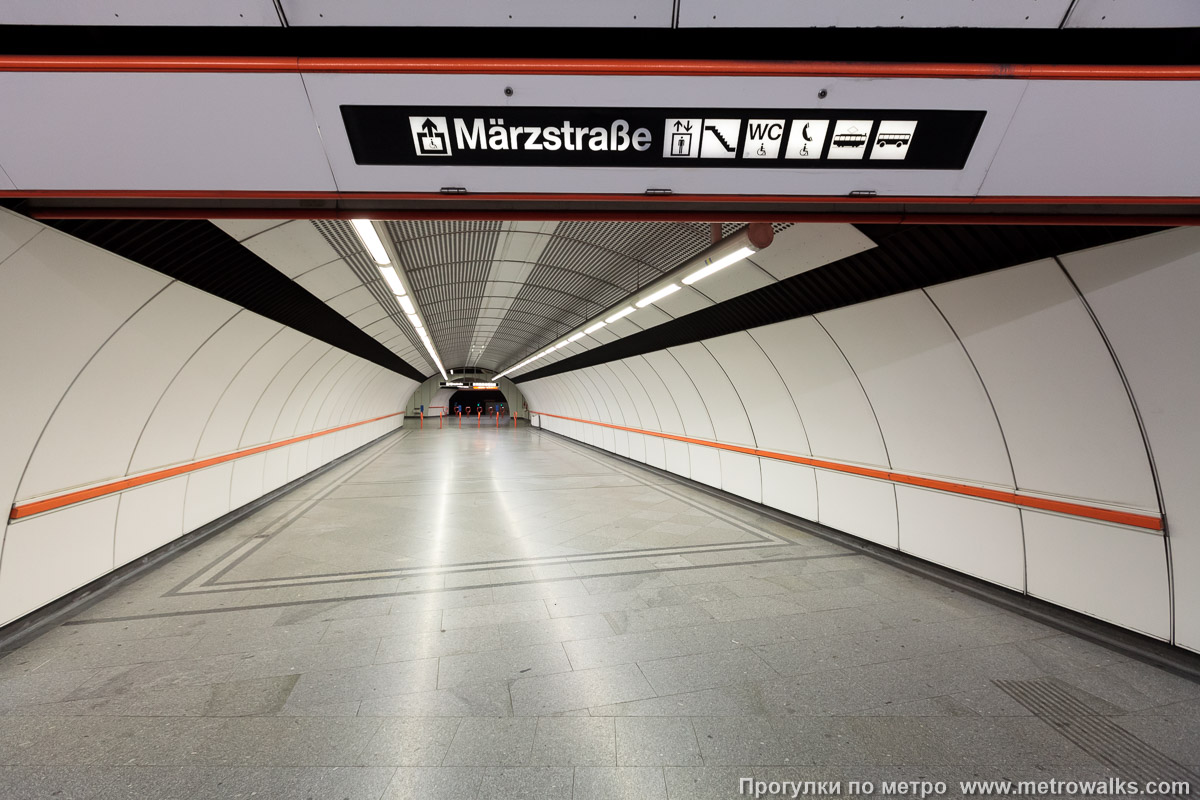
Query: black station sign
(640, 137)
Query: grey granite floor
(506, 614)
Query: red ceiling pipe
(889, 218)
(565, 197)
(607, 66)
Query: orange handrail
(1146, 521)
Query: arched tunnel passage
(725, 540)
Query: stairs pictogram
(720, 138)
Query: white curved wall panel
(721, 402)
(227, 421)
(838, 420)
(740, 475)
(48, 556)
(861, 506)
(36, 282)
(978, 538)
(932, 408)
(304, 389)
(148, 517)
(1143, 293)
(174, 428)
(346, 376)
(653, 452)
(1067, 419)
(607, 377)
(260, 426)
(790, 487)
(1068, 422)
(762, 394)
(910, 403)
(1099, 569)
(693, 415)
(247, 481)
(121, 386)
(138, 374)
(615, 411)
(207, 495)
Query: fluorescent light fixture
(659, 295)
(414, 320)
(563, 343)
(624, 312)
(720, 263)
(406, 303)
(370, 239)
(576, 337)
(596, 327)
(393, 280)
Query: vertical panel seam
(703, 405)
(267, 386)
(882, 438)
(671, 397)
(999, 426)
(299, 381)
(296, 388)
(1137, 415)
(233, 380)
(799, 416)
(749, 423)
(358, 382)
(33, 450)
(137, 442)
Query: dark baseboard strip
(27, 628)
(1126, 642)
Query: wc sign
(763, 138)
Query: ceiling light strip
(391, 271)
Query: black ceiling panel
(908, 257)
(202, 255)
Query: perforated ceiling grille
(447, 263)
(345, 242)
(479, 317)
(586, 268)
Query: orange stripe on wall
(91, 493)
(1146, 521)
